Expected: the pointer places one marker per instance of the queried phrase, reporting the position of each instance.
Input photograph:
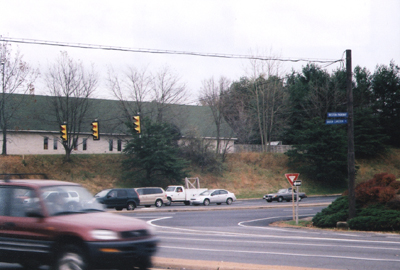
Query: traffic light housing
(95, 129)
(64, 135)
(136, 122)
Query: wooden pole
(350, 138)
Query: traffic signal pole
(350, 138)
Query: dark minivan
(119, 198)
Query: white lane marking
(190, 231)
(278, 243)
(283, 254)
(284, 230)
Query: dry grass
(248, 175)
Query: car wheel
(130, 206)
(299, 199)
(169, 202)
(159, 203)
(280, 199)
(71, 257)
(229, 201)
(206, 202)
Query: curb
(194, 208)
(179, 264)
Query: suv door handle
(8, 225)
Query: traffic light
(95, 129)
(136, 122)
(64, 135)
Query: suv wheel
(71, 257)
(130, 206)
(159, 203)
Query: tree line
(264, 106)
(293, 107)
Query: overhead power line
(155, 51)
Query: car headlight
(104, 235)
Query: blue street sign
(335, 121)
(338, 114)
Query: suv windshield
(68, 199)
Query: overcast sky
(311, 29)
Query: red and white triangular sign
(291, 177)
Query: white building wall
(34, 144)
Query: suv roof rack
(8, 176)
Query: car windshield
(282, 191)
(63, 200)
(207, 192)
(102, 193)
(169, 189)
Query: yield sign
(291, 177)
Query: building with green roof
(34, 127)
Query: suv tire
(71, 257)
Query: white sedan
(217, 196)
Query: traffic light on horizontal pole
(63, 131)
(136, 122)
(95, 129)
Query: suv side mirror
(34, 213)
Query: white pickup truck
(184, 194)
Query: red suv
(60, 224)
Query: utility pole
(350, 138)
(2, 117)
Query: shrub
(336, 211)
(376, 218)
(380, 189)
(393, 204)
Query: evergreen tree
(320, 152)
(153, 157)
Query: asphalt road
(198, 236)
(243, 236)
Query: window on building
(55, 142)
(75, 143)
(46, 143)
(119, 146)
(110, 145)
(84, 144)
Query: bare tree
(71, 86)
(270, 98)
(211, 96)
(167, 88)
(17, 78)
(133, 86)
